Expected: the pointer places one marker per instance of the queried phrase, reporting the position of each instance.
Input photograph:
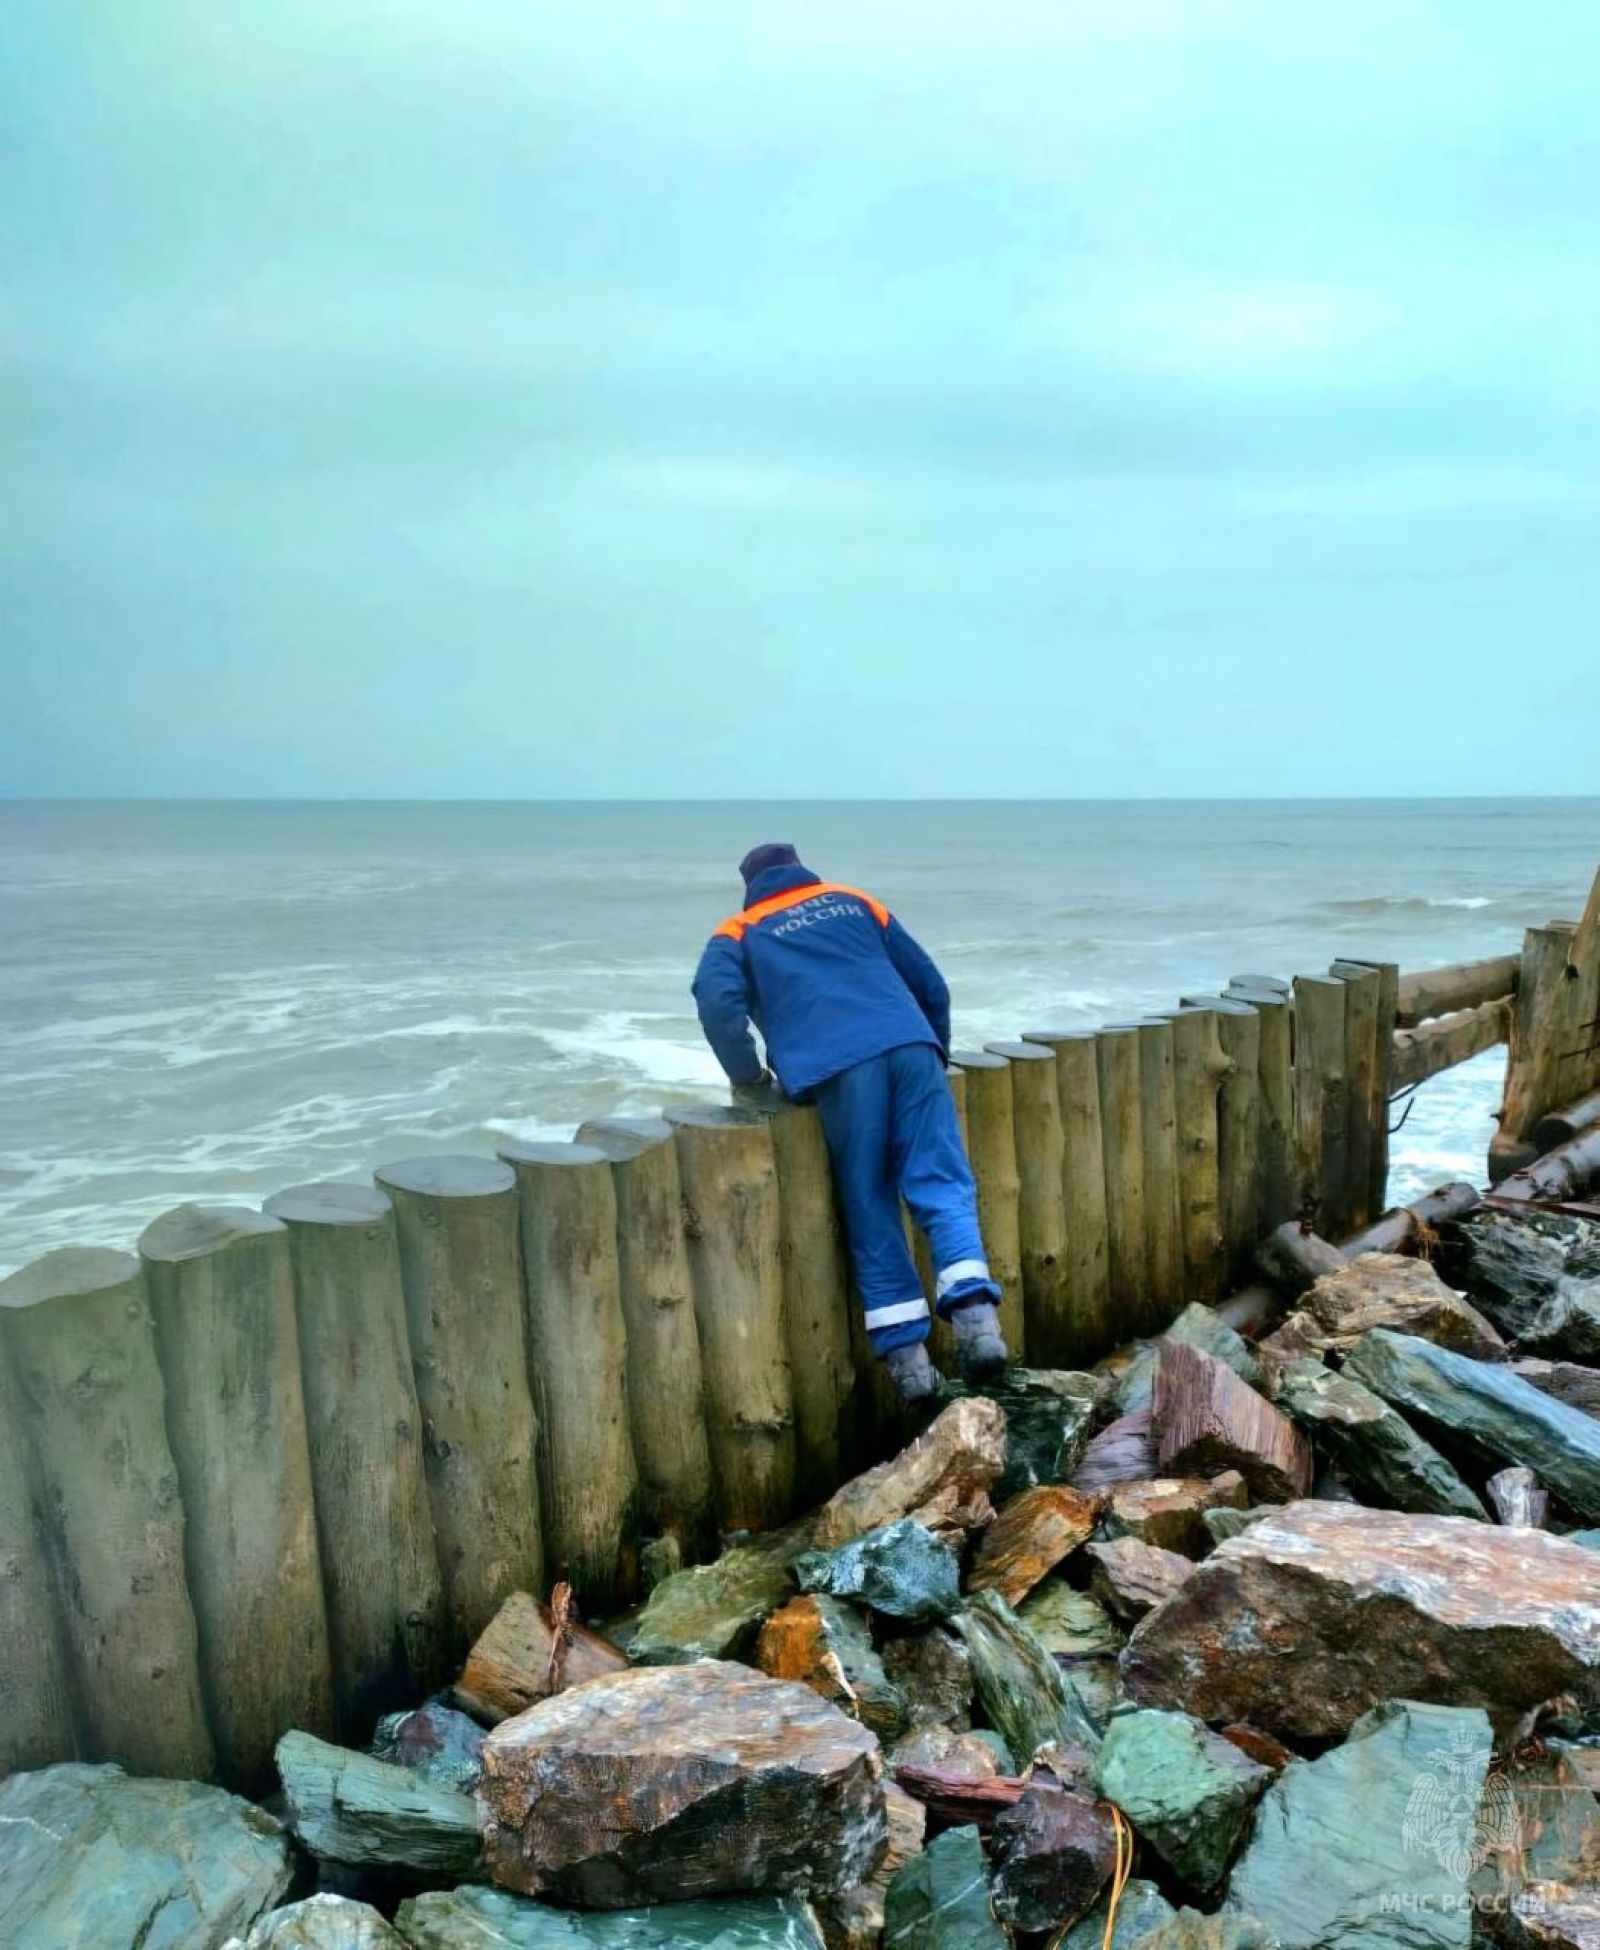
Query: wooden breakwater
(280, 1467)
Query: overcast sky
(799, 397)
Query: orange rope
(1119, 1880)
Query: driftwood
(1440, 1045)
(1560, 1127)
(1426, 992)
(1409, 1228)
(1565, 1173)
(1294, 1257)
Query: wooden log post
(1425, 992)
(1083, 1186)
(1360, 1070)
(1163, 1194)
(1122, 1147)
(1319, 1098)
(222, 1295)
(1555, 1033)
(457, 1219)
(1199, 1069)
(1444, 1041)
(942, 1342)
(35, 1703)
(730, 1191)
(1384, 1083)
(578, 1369)
(1239, 1165)
(1041, 1204)
(81, 1342)
(380, 1566)
(992, 1147)
(666, 1384)
(1274, 1006)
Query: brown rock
(942, 1479)
(1123, 1452)
(826, 1644)
(941, 1750)
(1323, 1610)
(1207, 1420)
(509, 1667)
(1130, 1578)
(1053, 1853)
(933, 1674)
(1388, 1290)
(668, 1782)
(1258, 1746)
(1169, 1511)
(1030, 1537)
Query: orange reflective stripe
(736, 924)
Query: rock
(1372, 1843)
(1553, 1916)
(1123, 1452)
(1187, 1790)
(854, 1920)
(510, 1665)
(1030, 1537)
(943, 1479)
(321, 1923)
(1197, 1326)
(1143, 1908)
(665, 1783)
(1567, 1326)
(1097, 1684)
(1568, 1381)
(1590, 1539)
(1489, 1406)
(1372, 1443)
(1188, 1929)
(933, 1674)
(961, 1756)
(713, 1611)
(1405, 1295)
(1130, 1578)
(1024, 1694)
(940, 1899)
(1323, 1610)
(1538, 1824)
(1223, 1524)
(1513, 1262)
(826, 1644)
(91, 1858)
(1258, 1746)
(479, 1918)
(901, 1570)
(347, 1807)
(435, 1741)
(1069, 1624)
(1049, 1413)
(1518, 1497)
(1053, 1852)
(1207, 1420)
(1169, 1511)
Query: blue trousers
(892, 1133)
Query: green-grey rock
(1024, 1693)
(713, 1611)
(1371, 1846)
(1049, 1414)
(1143, 1908)
(1188, 1791)
(1590, 1538)
(321, 1923)
(1198, 1326)
(479, 1918)
(1374, 1446)
(1568, 1324)
(1070, 1624)
(347, 1807)
(1190, 1930)
(1225, 1523)
(93, 1860)
(900, 1569)
(1486, 1404)
(940, 1899)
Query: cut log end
(447, 1175)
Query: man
(856, 1017)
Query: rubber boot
(913, 1374)
(980, 1346)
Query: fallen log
(1560, 1127)
(1294, 1257)
(1565, 1173)
(1423, 1052)
(1463, 985)
(1408, 1228)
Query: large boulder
(478, 1918)
(671, 1782)
(1489, 1407)
(1186, 1790)
(1406, 1295)
(1025, 1695)
(91, 1860)
(1323, 1610)
(1169, 1511)
(1374, 1843)
(1374, 1445)
(1513, 1262)
(943, 1479)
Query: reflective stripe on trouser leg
(933, 1173)
(854, 1107)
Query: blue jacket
(825, 972)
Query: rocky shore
(1293, 1643)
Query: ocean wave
(1403, 903)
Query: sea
(211, 1001)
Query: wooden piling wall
(321, 1445)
